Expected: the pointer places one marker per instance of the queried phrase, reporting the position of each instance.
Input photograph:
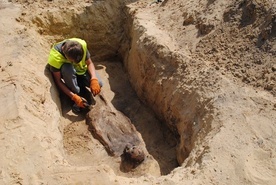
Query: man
(73, 70)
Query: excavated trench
(168, 122)
(82, 148)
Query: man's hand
(81, 102)
(95, 86)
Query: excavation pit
(82, 148)
(218, 99)
(130, 64)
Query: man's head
(73, 51)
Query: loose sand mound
(204, 72)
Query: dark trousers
(77, 83)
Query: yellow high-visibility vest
(56, 59)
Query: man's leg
(84, 82)
(69, 76)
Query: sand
(226, 78)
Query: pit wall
(97, 22)
(162, 79)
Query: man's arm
(61, 85)
(94, 82)
(91, 68)
(81, 102)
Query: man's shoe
(76, 109)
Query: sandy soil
(232, 54)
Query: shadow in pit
(160, 142)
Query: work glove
(95, 86)
(81, 102)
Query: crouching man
(73, 71)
